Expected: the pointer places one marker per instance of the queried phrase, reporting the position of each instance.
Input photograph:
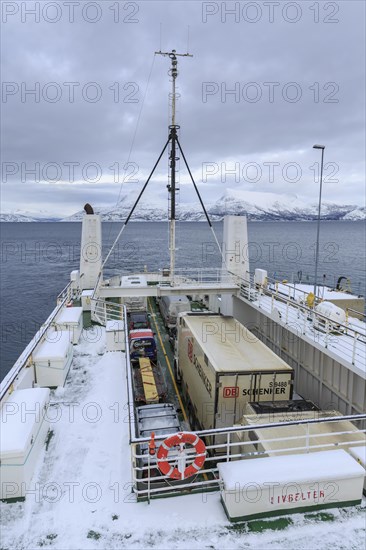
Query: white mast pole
(173, 136)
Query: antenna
(174, 141)
(173, 72)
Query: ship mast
(173, 128)
(174, 142)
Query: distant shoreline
(297, 220)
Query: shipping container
(222, 366)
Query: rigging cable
(137, 125)
(128, 160)
(203, 206)
(133, 208)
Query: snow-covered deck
(81, 496)
(300, 290)
(349, 346)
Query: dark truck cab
(138, 320)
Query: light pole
(322, 147)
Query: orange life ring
(175, 440)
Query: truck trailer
(222, 366)
(170, 307)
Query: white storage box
(359, 453)
(86, 299)
(260, 276)
(271, 486)
(24, 427)
(52, 359)
(75, 276)
(71, 319)
(115, 336)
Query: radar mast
(173, 129)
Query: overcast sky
(267, 81)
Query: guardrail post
(228, 447)
(148, 479)
(354, 347)
(327, 330)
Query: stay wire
(203, 206)
(132, 145)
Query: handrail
(64, 292)
(27, 352)
(236, 429)
(297, 314)
(104, 311)
(129, 378)
(144, 487)
(193, 276)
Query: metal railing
(233, 446)
(25, 358)
(348, 338)
(200, 276)
(66, 295)
(186, 277)
(103, 311)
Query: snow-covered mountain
(16, 218)
(24, 216)
(151, 210)
(257, 206)
(359, 213)
(270, 206)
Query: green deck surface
(165, 355)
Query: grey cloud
(219, 129)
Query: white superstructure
(91, 251)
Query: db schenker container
(222, 366)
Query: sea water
(37, 258)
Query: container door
(273, 386)
(234, 392)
